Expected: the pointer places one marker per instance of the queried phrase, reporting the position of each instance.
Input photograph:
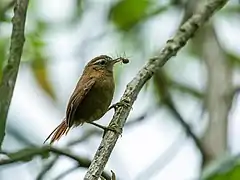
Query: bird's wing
(75, 100)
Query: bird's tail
(57, 133)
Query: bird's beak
(116, 61)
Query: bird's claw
(113, 127)
(123, 103)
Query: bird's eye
(102, 62)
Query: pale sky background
(140, 145)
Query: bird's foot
(115, 128)
(123, 103)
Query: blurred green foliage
(78, 10)
(5, 6)
(38, 64)
(28, 154)
(126, 15)
(233, 58)
(34, 49)
(3, 50)
(224, 169)
(35, 56)
(39, 68)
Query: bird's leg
(123, 103)
(113, 127)
(99, 126)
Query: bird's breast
(97, 101)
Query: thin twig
(186, 31)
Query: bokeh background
(200, 86)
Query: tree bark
(11, 70)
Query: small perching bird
(92, 96)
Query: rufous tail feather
(57, 133)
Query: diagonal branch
(186, 31)
(11, 70)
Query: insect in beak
(125, 61)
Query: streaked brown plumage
(91, 97)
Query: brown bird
(92, 96)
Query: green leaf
(126, 13)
